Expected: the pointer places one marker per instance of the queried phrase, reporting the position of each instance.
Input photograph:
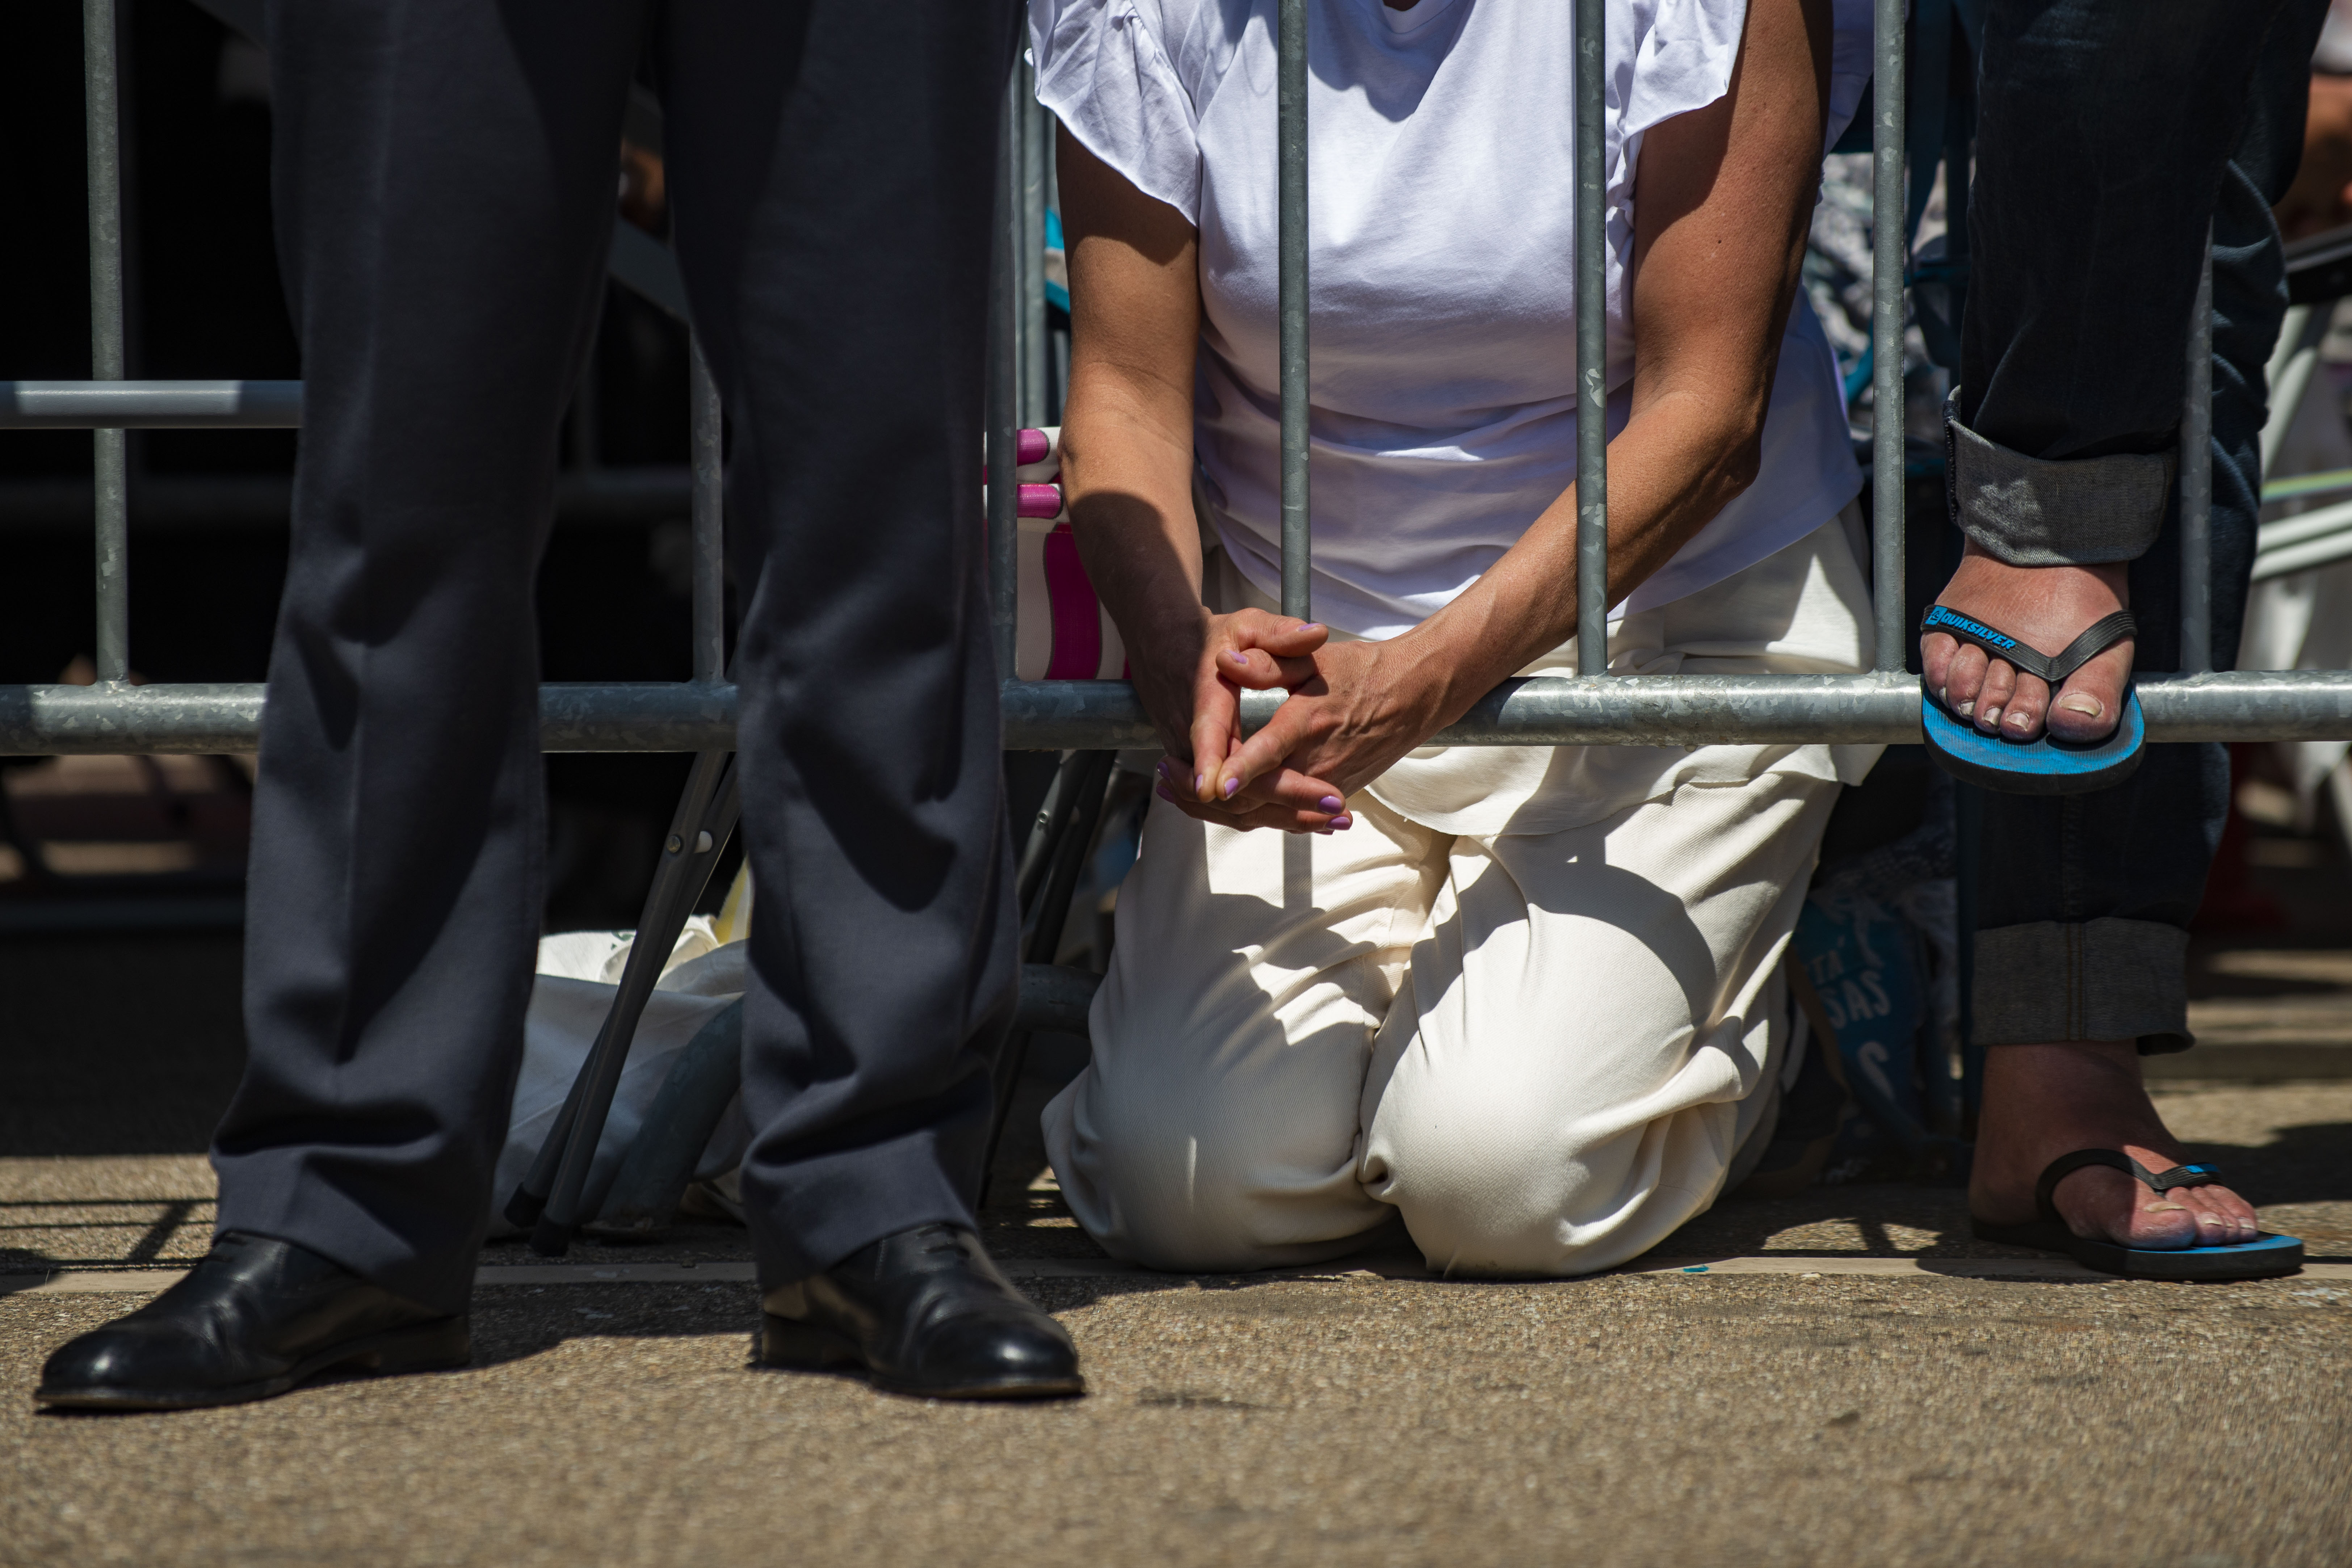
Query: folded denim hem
(2036, 512)
(2100, 980)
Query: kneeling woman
(1526, 1000)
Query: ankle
(2074, 1093)
(2062, 1080)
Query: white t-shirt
(1442, 283)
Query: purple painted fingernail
(1332, 803)
(1342, 823)
(1164, 793)
(1196, 783)
(1238, 657)
(1233, 788)
(1312, 626)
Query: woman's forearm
(1720, 237)
(1127, 475)
(1677, 463)
(1127, 438)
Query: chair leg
(695, 1093)
(549, 1200)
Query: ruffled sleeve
(1681, 59)
(1104, 69)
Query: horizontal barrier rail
(582, 716)
(1056, 715)
(1711, 709)
(584, 498)
(151, 405)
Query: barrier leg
(1088, 776)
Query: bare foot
(2046, 607)
(2042, 1101)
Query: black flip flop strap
(2097, 637)
(2066, 1165)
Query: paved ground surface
(1366, 1415)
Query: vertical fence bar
(1058, 343)
(2196, 482)
(1030, 244)
(1888, 257)
(1290, 95)
(109, 465)
(710, 520)
(1591, 342)
(1003, 398)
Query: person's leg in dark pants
(831, 193)
(2107, 143)
(442, 175)
(443, 179)
(446, 189)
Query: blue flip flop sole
(2265, 1257)
(2044, 766)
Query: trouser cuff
(2101, 980)
(2034, 511)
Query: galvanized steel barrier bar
(705, 437)
(1033, 145)
(699, 715)
(1705, 710)
(1004, 394)
(2197, 480)
(1592, 341)
(111, 467)
(1290, 100)
(119, 405)
(1888, 258)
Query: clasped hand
(1354, 709)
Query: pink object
(1077, 620)
(1039, 501)
(1030, 447)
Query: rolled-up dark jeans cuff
(2100, 980)
(2036, 512)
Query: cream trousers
(1541, 1048)
(1540, 1051)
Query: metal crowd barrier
(698, 715)
(1596, 708)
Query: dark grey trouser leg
(831, 169)
(444, 188)
(2072, 358)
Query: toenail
(2021, 720)
(1993, 716)
(1968, 708)
(2084, 703)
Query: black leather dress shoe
(253, 1318)
(923, 1312)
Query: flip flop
(2260, 1258)
(2046, 765)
